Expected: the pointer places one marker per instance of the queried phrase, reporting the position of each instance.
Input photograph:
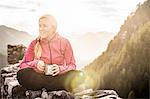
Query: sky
(73, 16)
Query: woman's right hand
(41, 65)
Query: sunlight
(74, 17)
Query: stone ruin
(15, 53)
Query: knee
(23, 73)
(74, 72)
(77, 73)
(29, 79)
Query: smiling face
(47, 26)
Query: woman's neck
(50, 37)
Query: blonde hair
(38, 48)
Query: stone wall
(15, 53)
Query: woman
(49, 49)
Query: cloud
(100, 2)
(102, 9)
(107, 11)
(78, 16)
(30, 5)
(10, 7)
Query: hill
(124, 65)
(11, 36)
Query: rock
(97, 94)
(10, 87)
(18, 92)
(15, 53)
(33, 94)
(60, 95)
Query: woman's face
(45, 27)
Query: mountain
(124, 66)
(87, 46)
(11, 36)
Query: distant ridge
(12, 36)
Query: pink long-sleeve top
(56, 51)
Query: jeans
(32, 80)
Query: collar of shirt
(55, 37)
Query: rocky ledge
(11, 89)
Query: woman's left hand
(55, 69)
